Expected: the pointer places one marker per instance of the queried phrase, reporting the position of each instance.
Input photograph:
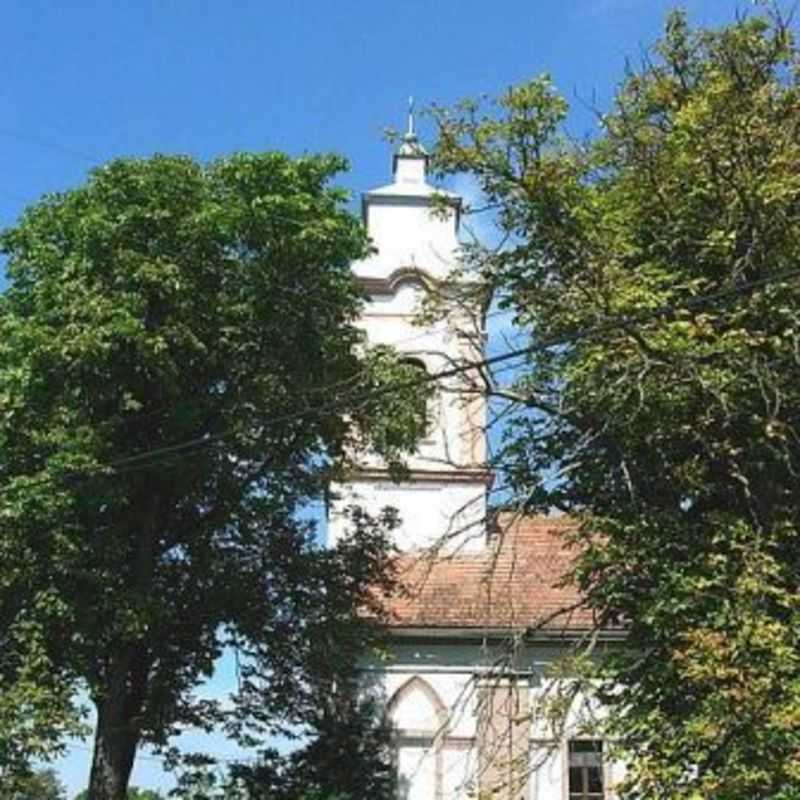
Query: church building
(482, 620)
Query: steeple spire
(411, 134)
(411, 159)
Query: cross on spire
(411, 134)
(411, 154)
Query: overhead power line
(473, 365)
(148, 458)
(48, 144)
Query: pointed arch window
(418, 717)
(415, 708)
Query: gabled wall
(470, 719)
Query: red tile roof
(514, 582)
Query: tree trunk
(115, 742)
(119, 707)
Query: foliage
(36, 710)
(179, 369)
(134, 793)
(340, 747)
(655, 269)
(42, 784)
(347, 757)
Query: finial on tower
(411, 152)
(411, 134)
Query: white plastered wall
(432, 691)
(445, 515)
(442, 503)
(408, 234)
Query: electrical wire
(698, 301)
(204, 441)
(149, 458)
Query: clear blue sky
(86, 81)
(89, 80)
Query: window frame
(585, 794)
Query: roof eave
(480, 632)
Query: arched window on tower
(424, 407)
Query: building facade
(468, 687)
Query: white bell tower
(414, 228)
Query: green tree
(655, 269)
(42, 784)
(347, 755)
(342, 761)
(134, 793)
(179, 369)
(342, 747)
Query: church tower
(469, 712)
(414, 228)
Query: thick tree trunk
(115, 743)
(125, 683)
(125, 686)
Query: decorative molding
(389, 286)
(413, 669)
(455, 475)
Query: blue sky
(86, 81)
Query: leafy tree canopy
(134, 793)
(345, 756)
(179, 369)
(41, 784)
(656, 271)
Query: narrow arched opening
(423, 406)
